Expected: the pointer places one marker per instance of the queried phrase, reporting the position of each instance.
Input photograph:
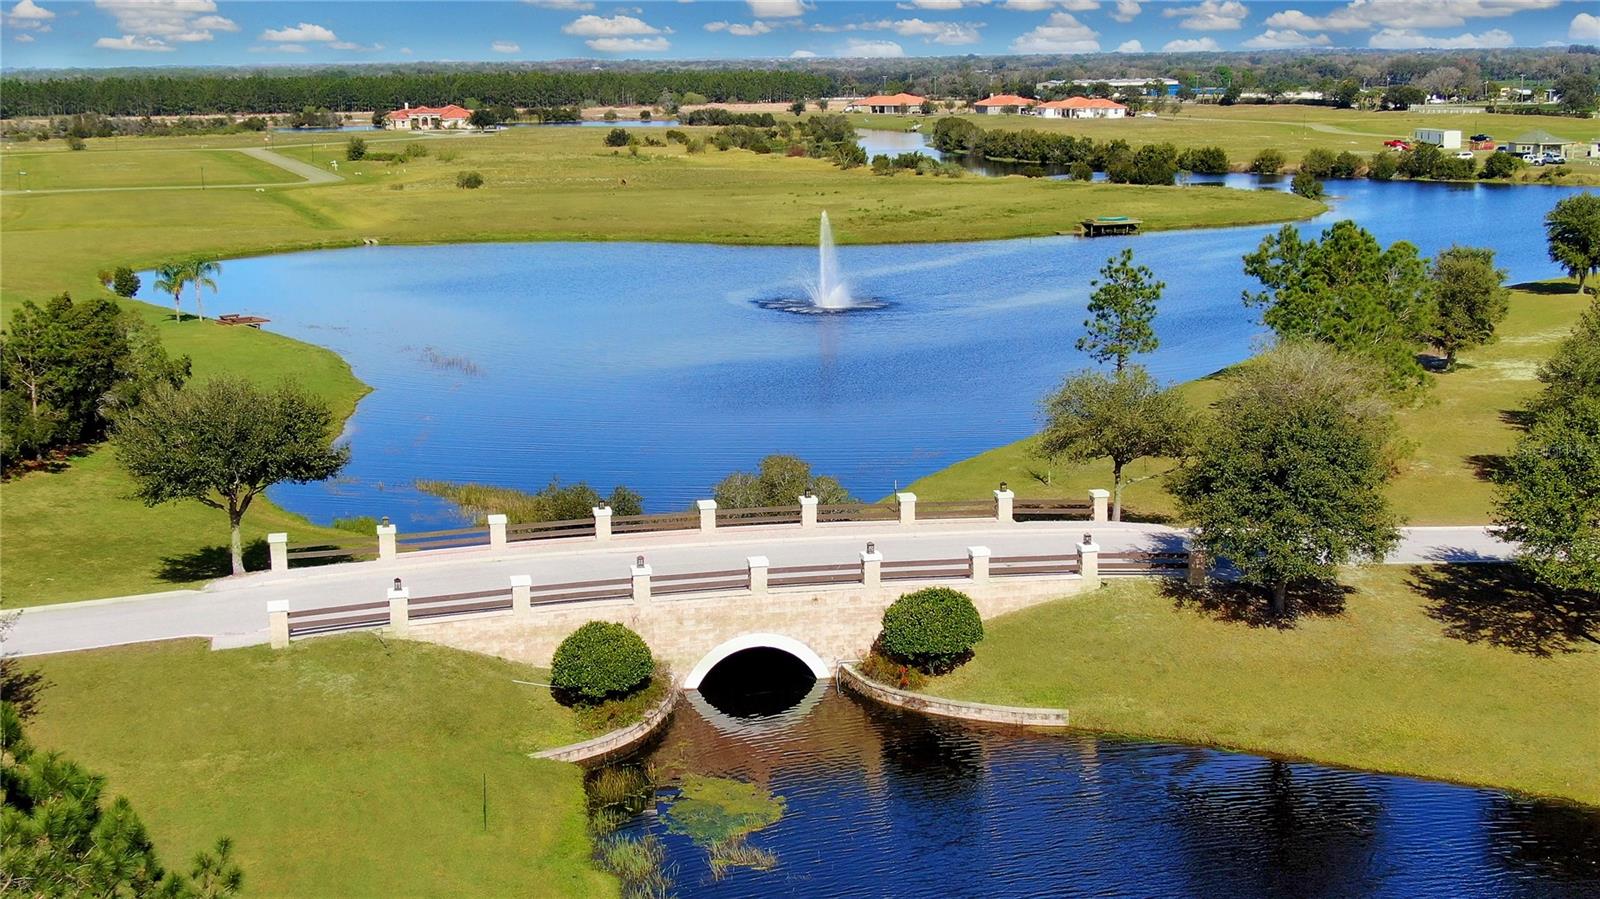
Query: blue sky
(48, 33)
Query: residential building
(427, 118)
(1004, 104)
(1082, 108)
(888, 104)
(1538, 143)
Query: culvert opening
(753, 683)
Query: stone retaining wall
(1020, 716)
(608, 746)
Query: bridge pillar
(278, 551)
(641, 582)
(1003, 501)
(602, 523)
(521, 589)
(497, 531)
(871, 567)
(399, 613)
(278, 623)
(978, 564)
(386, 540)
(1089, 563)
(708, 514)
(1199, 567)
(1098, 498)
(808, 510)
(758, 573)
(908, 508)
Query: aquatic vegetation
(711, 810)
(738, 854)
(638, 863)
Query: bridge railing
(602, 525)
(642, 586)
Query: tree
(171, 278)
(779, 481)
(20, 686)
(1470, 299)
(1577, 93)
(198, 271)
(1402, 96)
(225, 442)
(124, 283)
(1267, 162)
(483, 117)
(59, 837)
(1572, 229)
(1574, 369)
(1123, 416)
(1289, 483)
(356, 149)
(1306, 185)
(1345, 93)
(1501, 165)
(617, 137)
(798, 107)
(1346, 291)
(1121, 310)
(1549, 502)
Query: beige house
(427, 118)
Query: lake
(653, 365)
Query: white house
(425, 118)
(889, 104)
(1004, 103)
(1444, 140)
(1082, 108)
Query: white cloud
(352, 45)
(739, 29)
(134, 42)
(1584, 27)
(1402, 39)
(1061, 33)
(1191, 45)
(857, 48)
(1126, 11)
(601, 26)
(945, 5)
(776, 9)
(950, 33)
(1041, 5)
(23, 38)
(1132, 46)
(28, 11)
(1210, 15)
(574, 5)
(214, 23)
(305, 31)
(802, 54)
(1277, 39)
(505, 47)
(629, 44)
(1365, 15)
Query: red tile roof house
(1004, 103)
(419, 118)
(892, 104)
(1082, 108)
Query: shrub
(1383, 166)
(599, 661)
(881, 165)
(355, 149)
(1345, 165)
(674, 136)
(1449, 168)
(469, 180)
(933, 629)
(1082, 171)
(1267, 162)
(124, 282)
(617, 137)
(75, 142)
(1317, 162)
(413, 151)
(611, 115)
(1204, 160)
(446, 155)
(1306, 185)
(1501, 165)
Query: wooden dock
(1103, 225)
(234, 318)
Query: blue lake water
(653, 366)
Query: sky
(75, 33)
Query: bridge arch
(790, 645)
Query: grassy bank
(1381, 686)
(345, 766)
(1455, 434)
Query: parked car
(1464, 154)
(1397, 145)
(1481, 137)
(1551, 159)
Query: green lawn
(344, 766)
(109, 165)
(1381, 686)
(1453, 434)
(77, 534)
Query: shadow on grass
(1491, 467)
(1503, 606)
(1548, 288)
(1247, 604)
(211, 562)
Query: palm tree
(198, 271)
(170, 278)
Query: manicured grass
(1379, 686)
(1454, 434)
(77, 534)
(108, 165)
(343, 766)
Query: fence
(642, 586)
(707, 517)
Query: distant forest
(136, 92)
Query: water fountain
(830, 294)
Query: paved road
(309, 172)
(233, 611)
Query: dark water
(883, 803)
(653, 365)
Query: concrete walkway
(305, 170)
(232, 612)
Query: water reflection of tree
(1277, 829)
(1547, 841)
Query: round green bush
(933, 629)
(601, 660)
